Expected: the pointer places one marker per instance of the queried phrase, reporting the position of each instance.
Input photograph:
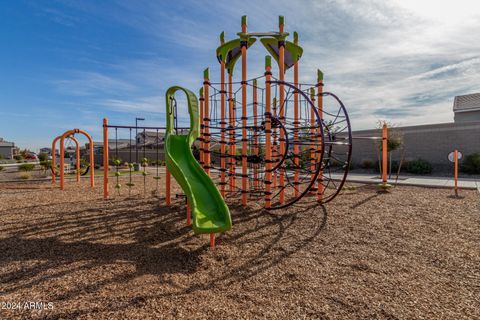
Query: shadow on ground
(53, 245)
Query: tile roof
(468, 102)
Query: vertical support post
(92, 160)
(255, 136)
(222, 122)
(232, 144)
(455, 157)
(296, 146)
(281, 69)
(189, 213)
(274, 145)
(319, 134)
(312, 139)
(168, 194)
(202, 128)
(77, 159)
(62, 163)
(244, 44)
(54, 159)
(105, 158)
(268, 132)
(384, 152)
(212, 241)
(206, 106)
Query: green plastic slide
(210, 213)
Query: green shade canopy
(293, 52)
(231, 51)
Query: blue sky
(66, 64)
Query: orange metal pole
(274, 146)
(244, 114)
(312, 137)
(202, 129)
(206, 83)
(77, 154)
(62, 161)
(212, 241)
(281, 62)
(319, 137)
(105, 158)
(296, 147)
(268, 132)
(77, 159)
(232, 147)
(54, 158)
(189, 215)
(456, 172)
(222, 126)
(255, 137)
(384, 153)
(168, 195)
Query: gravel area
(413, 253)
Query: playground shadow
(153, 239)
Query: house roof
(468, 102)
(6, 144)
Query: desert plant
(26, 167)
(43, 156)
(419, 166)
(471, 164)
(25, 176)
(45, 165)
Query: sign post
(454, 157)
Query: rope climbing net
(282, 151)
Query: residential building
(467, 108)
(6, 149)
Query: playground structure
(258, 138)
(70, 134)
(281, 140)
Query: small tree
(394, 141)
(45, 165)
(43, 156)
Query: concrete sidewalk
(435, 182)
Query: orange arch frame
(77, 152)
(62, 156)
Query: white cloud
(403, 60)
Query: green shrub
(471, 164)
(43, 156)
(18, 157)
(26, 167)
(2, 168)
(367, 164)
(419, 166)
(46, 164)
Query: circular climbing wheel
(337, 146)
(317, 145)
(297, 125)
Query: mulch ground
(413, 253)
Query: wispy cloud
(86, 83)
(399, 60)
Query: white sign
(451, 156)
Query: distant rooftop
(468, 102)
(4, 143)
